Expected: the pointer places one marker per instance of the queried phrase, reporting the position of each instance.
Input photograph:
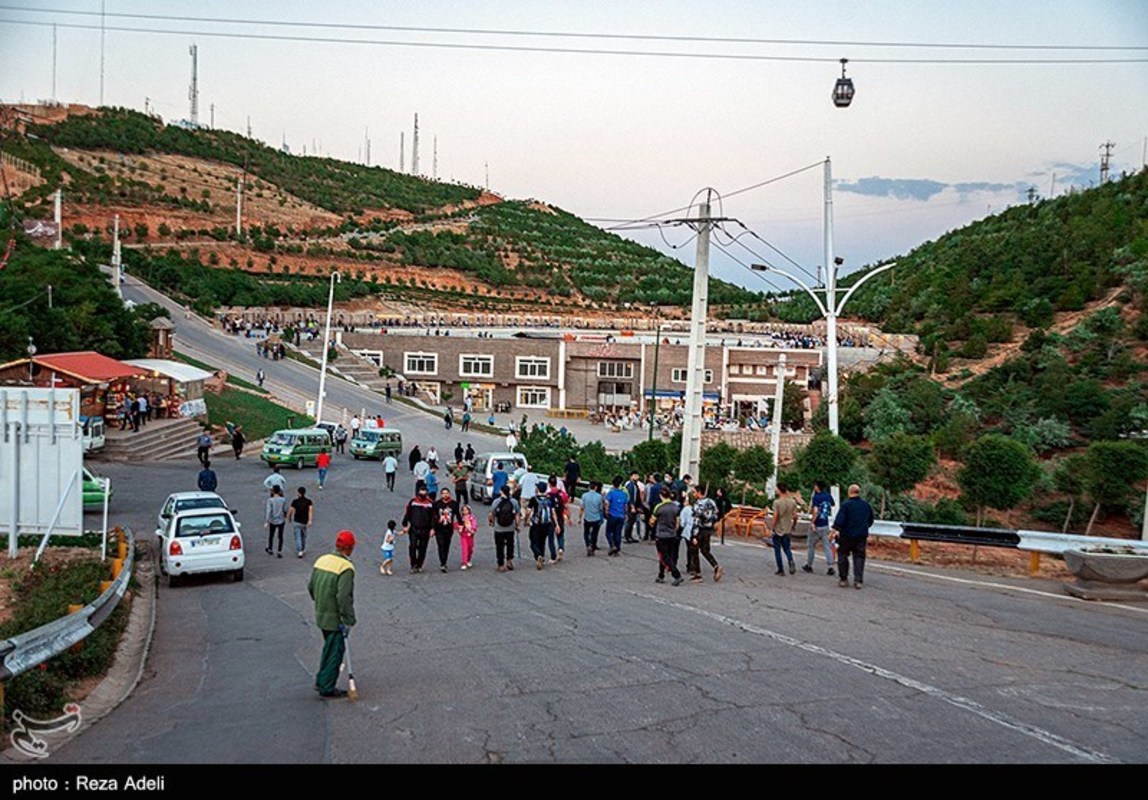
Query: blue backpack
(543, 510)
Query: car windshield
(204, 525)
(281, 438)
(369, 436)
(190, 503)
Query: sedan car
(187, 501)
(200, 540)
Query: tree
(1068, 478)
(754, 464)
(885, 417)
(716, 466)
(999, 473)
(793, 406)
(1110, 470)
(647, 457)
(826, 458)
(899, 463)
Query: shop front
(103, 382)
(174, 389)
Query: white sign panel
(41, 461)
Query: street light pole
(830, 300)
(654, 388)
(335, 278)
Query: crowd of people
(139, 408)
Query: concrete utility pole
(58, 216)
(402, 151)
(434, 159)
(775, 434)
(335, 278)
(212, 116)
(696, 364)
(193, 92)
(53, 63)
(103, 34)
(415, 148)
(239, 207)
(117, 257)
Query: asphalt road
(590, 661)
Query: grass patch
(42, 595)
(259, 417)
(232, 379)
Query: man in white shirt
(355, 425)
(275, 479)
(390, 465)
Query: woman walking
(445, 514)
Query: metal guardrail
(32, 648)
(1019, 539)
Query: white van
(481, 485)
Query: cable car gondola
(843, 91)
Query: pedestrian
(498, 478)
(467, 528)
(203, 445)
(687, 523)
(432, 457)
(541, 522)
(503, 518)
(466, 421)
(666, 536)
(414, 457)
(341, 440)
(145, 409)
(301, 514)
(572, 472)
(458, 452)
(634, 505)
(616, 501)
(468, 456)
(135, 414)
(557, 492)
(511, 441)
(851, 532)
(706, 517)
(417, 522)
(781, 525)
(207, 482)
(446, 518)
(332, 588)
(592, 514)
(821, 504)
(260, 377)
(323, 462)
(388, 393)
(356, 424)
(460, 474)
(490, 419)
(388, 549)
(422, 470)
(390, 467)
(448, 419)
(275, 479)
(238, 439)
(276, 518)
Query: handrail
(28, 650)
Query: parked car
(188, 501)
(330, 428)
(93, 489)
(377, 443)
(198, 541)
(481, 484)
(93, 432)
(298, 448)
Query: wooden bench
(741, 520)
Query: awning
(87, 366)
(671, 394)
(176, 370)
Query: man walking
(541, 510)
(572, 472)
(446, 514)
(275, 479)
(851, 531)
(822, 505)
(706, 517)
(666, 536)
(417, 521)
(503, 518)
(616, 502)
(301, 514)
(203, 446)
(390, 467)
(332, 588)
(323, 462)
(782, 525)
(238, 439)
(276, 518)
(207, 482)
(634, 500)
(460, 474)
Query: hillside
(175, 192)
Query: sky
(928, 144)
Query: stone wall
(741, 439)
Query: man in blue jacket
(851, 530)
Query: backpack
(504, 513)
(705, 513)
(543, 511)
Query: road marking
(964, 703)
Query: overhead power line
(638, 37)
(572, 50)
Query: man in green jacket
(332, 587)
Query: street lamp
(335, 278)
(31, 353)
(654, 388)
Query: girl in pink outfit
(466, 532)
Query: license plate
(205, 542)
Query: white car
(200, 540)
(186, 501)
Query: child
(466, 533)
(388, 549)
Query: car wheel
(173, 581)
(356, 455)
(237, 576)
(299, 462)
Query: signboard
(41, 462)
(193, 408)
(41, 229)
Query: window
(534, 396)
(735, 369)
(615, 369)
(680, 374)
(530, 367)
(421, 363)
(761, 369)
(475, 366)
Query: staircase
(159, 440)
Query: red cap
(345, 539)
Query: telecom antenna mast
(193, 92)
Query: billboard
(41, 462)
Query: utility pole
(402, 151)
(238, 207)
(117, 257)
(434, 160)
(53, 63)
(1031, 195)
(59, 218)
(486, 165)
(367, 144)
(696, 363)
(103, 34)
(213, 116)
(1052, 187)
(248, 126)
(415, 148)
(775, 437)
(1105, 155)
(193, 92)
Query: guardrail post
(117, 565)
(914, 550)
(122, 549)
(1034, 563)
(74, 608)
